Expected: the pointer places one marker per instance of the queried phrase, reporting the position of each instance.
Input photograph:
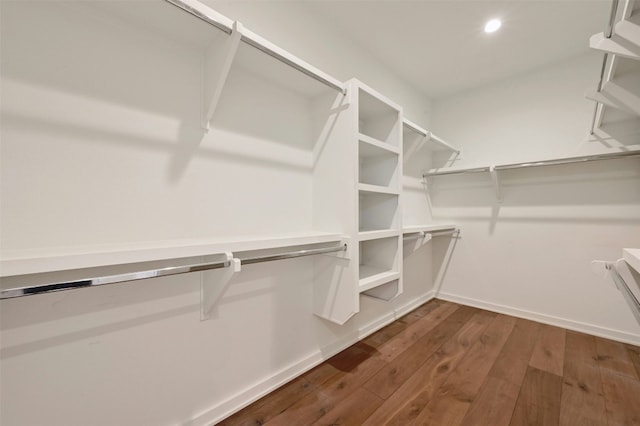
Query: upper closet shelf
(437, 144)
(60, 259)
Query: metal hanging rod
(248, 39)
(112, 279)
(154, 273)
(553, 162)
(300, 253)
(608, 33)
(439, 233)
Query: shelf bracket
(214, 284)
(217, 65)
(496, 183)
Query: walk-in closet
(314, 212)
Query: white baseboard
(582, 327)
(226, 408)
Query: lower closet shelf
(371, 277)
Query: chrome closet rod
(433, 234)
(200, 15)
(153, 273)
(608, 33)
(552, 162)
(292, 255)
(111, 279)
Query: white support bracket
(217, 65)
(214, 284)
(496, 183)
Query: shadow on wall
(155, 101)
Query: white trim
(237, 402)
(582, 327)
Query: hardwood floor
(448, 364)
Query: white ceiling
(435, 44)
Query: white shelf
(66, 258)
(374, 235)
(377, 189)
(434, 227)
(632, 257)
(377, 144)
(371, 277)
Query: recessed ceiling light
(492, 26)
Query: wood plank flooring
(448, 364)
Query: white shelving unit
(618, 94)
(379, 141)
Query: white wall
(101, 144)
(531, 254)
